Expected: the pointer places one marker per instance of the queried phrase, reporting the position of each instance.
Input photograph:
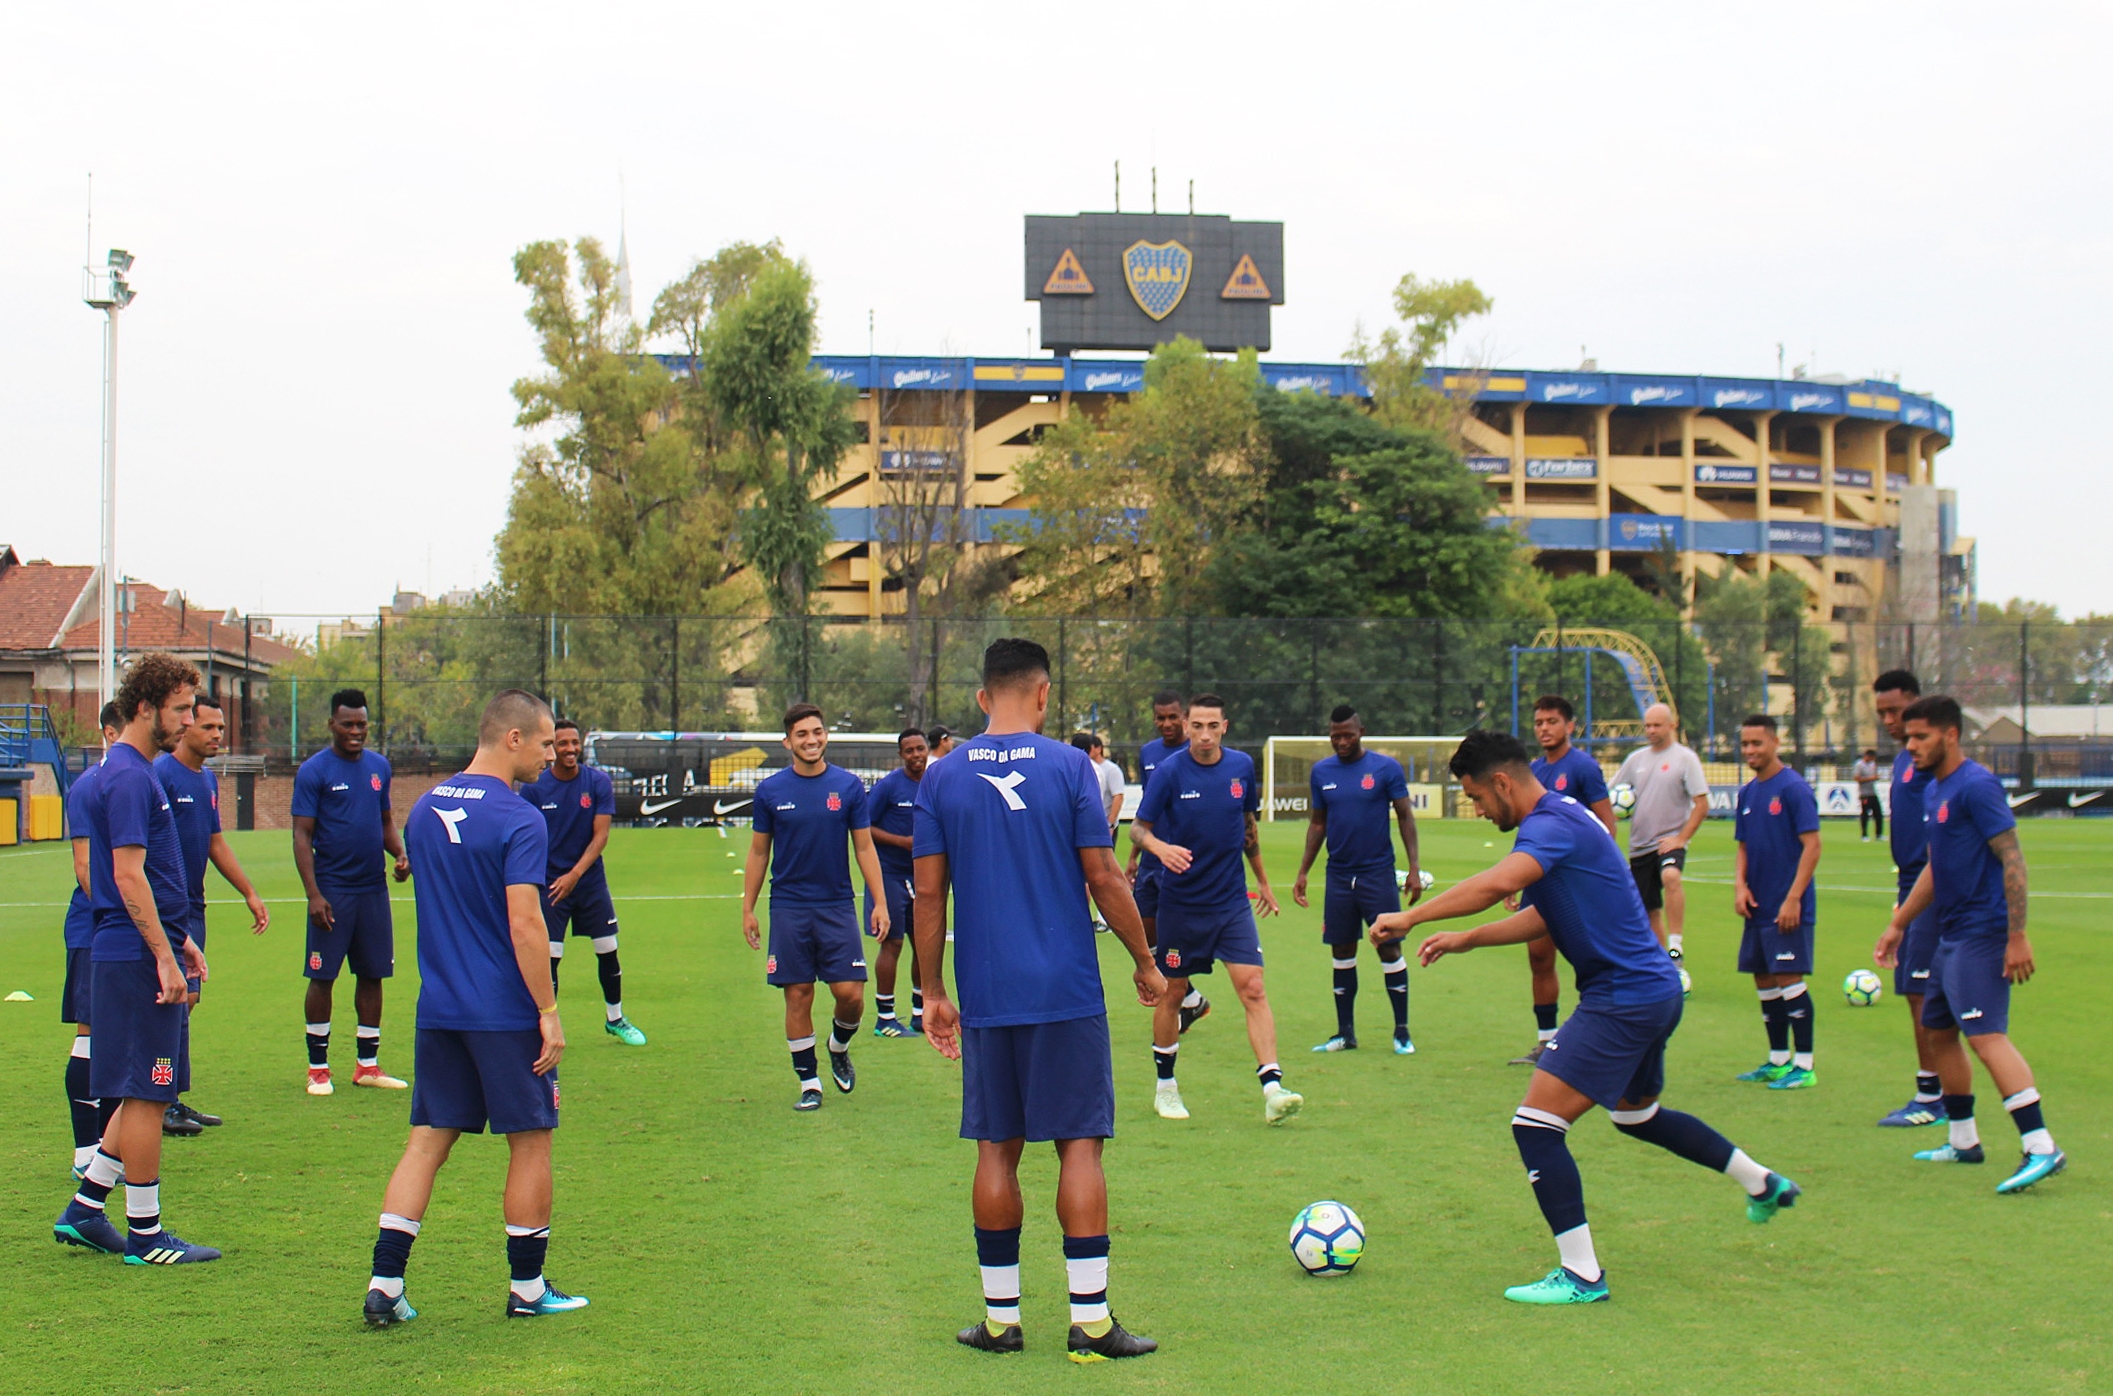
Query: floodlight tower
(105, 289)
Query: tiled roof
(35, 600)
(161, 622)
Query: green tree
(1616, 602)
(1430, 314)
(1757, 635)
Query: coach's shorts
(589, 911)
(1613, 1053)
(1766, 948)
(1038, 1081)
(1967, 988)
(466, 1080)
(814, 945)
(73, 999)
(1649, 871)
(1191, 941)
(364, 936)
(901, 905)
(1353, 902)
(1918, 948)
(1145, 891)
(138, 1042)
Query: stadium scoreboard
(1137, 280)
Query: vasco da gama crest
(1157, 274)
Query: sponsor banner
(1643, 533)
(1710, 473)
(927, 375)
(1838, 798)
(1797, 538)
(1427, 801)
(1043, 377)
(1564, 387)
(1489, 465)
(2065, 803)
(1562, 468)
(1328, 380)
(1854, 542)
(1654, 392)
(1089, 376)
(1719, 392)
(686, 809)
(1808, 397)
(1895, 483)
(1787, 474)
(1852, 479)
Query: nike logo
(723, 807)
(2079, 801)
(2015, 800)
(655, 807)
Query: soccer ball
(1423, 879)
(1862, 988)
(1327, 1239)
(1624, 799)
(1687, 981)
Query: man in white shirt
(1112, 776)
(1672, 800)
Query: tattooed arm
(2017, 956)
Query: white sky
(314, 388)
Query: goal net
(1287, 762)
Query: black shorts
(1647, 869)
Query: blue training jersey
(1574, 774)
(1203, 809)
(194, 798)
(1150, 757)
(1910, 841)
(346, 800)
(1588, 898)
(809, 820)
(1772, 813)
(1961, 813)
(127, 808)
(471, 838)
(80, 911)
(1010, 814)
(1356, 799)
(894, 810)
(569, 809)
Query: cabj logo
(1157, 274)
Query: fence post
(2026, 774)
(1797, 690)
(1438, 674)
(1063, 665)
(543, 643)
(1313, 667)
(1188, 661)
(381, 684)
(674, 673)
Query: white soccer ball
(1862, 988)
(1687, 981)
(1327, 1239)
(1423, 879)
(1623, 797)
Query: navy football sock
(1395, 975)
(1544, 1147)
(1346, 994)
(318, 1045)
(1544, 1017)
(1797, 1007)
(526, 1249)
(1778, 1025)
(611, 972)
(80, 1103)
(884, 1005)
(392, 1252)
(554, 963)
(802, 1049)
(1677, 1133)
(998, 1255)
(1163, 1061)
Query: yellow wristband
(552, 1009)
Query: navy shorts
(1613, 1053)
(1353, 903)
(73, 999)
(363, 936)
(1038, 1081)
(1145, 891)
(466, 1080)
(138, 1042)
(1766, 948)
(814, 945)
(900, 904)
(589, 911)
(1967, 988)
(1648, 869)
(197, 923)
(1190, 941)
(1911, 974)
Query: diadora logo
(1969, 1015)
(1192, 794)
(789, 804)
(1331, 785)
(1367, 783)
(836, 801)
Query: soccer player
(142, 955)
(1672, 800)
(1893, 691)
(1865, 774)
(578, 804)
(1111, 775)
(342, 825)
(1611, 1050)
(1777, 829)
(194, 798)
(1015, 831)
(1564, 769)
(1975, 883)
(939, 741)
(894, 798)
(489, 1039)
(1351, 795)
(89, 1117)
(1170, 720)
(803, 814)
(1197, 818)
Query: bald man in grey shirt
(1672, 800)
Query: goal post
(1287, 763)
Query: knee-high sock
(1694, 1141)
(1395, 973)
(392, 1252)
(611, 971)
(1346, 994)
(998, 1256)
(79, 1101)
(526, 1249)
(2024, 1108)
(1777, 1024)
(1797, 1008)
(1544, 1147)
(1086, 1269)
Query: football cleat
(840, 1071)
(199, 1117)
(165, 1247)
(1403, 1047)
(1946, 1153)
(1166, 1100)
(625, 1031)
(1530, 1057)
(1278, 1104)
(1779, 1192)
(1798, 1078)
(176, 1126)
(1560, 1286)
(551, 1301)
(319, 1081)
(381, 1311)
(2031, 1169)
(1190, 1017)
(375, 1076)
(1338, 1043)
(1766, 1071)
(1916, 1112)
(79, 1226)
(890, 1027)
(980, 1337)
(810, 1099)
(1116, 1342)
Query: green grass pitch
(730, 1245)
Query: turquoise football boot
(1560, 1286)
